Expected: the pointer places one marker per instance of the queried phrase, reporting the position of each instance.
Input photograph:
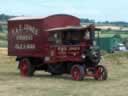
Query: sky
(98, 10)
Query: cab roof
(66, 28)
(71, 28)
(25, 18)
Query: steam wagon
(57, 44)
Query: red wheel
(77, 72)
(101, 73)
(26, 68)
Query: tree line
(4, 17)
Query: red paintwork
(60, 21)
(71, 53)
(39, 41)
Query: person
(86, 35)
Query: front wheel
(101, 73)
(77, 72)
(26, 68)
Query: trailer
(57, 44)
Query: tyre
(101, 73)
(77, 72)
(56, 69)
(26, 68)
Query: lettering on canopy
(24, 32)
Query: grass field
(112, 33)
(42, 84)
(3, 39)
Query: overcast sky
(99, 10)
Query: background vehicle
(56, 44)
(121, 47)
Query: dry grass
(42, 84)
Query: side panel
(30, 38)
(26, 38)
(61, 20)
(66, 53)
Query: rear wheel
(77, 72)
(26, 68)
(101, 73)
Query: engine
(92, 56)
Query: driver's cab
(68, 37)
(69, 42)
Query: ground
(43, 84)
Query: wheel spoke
(77, 72)
(101, 73)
